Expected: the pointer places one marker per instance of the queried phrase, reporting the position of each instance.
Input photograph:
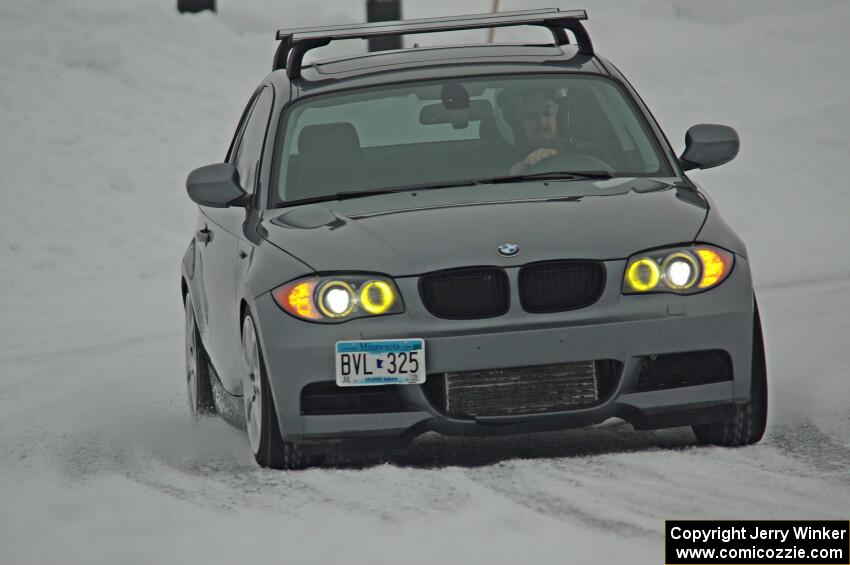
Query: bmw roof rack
(294, 43)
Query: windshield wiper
(348, 194)
(550, 175)
(345, 195)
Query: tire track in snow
(806, 442)
(207, 481)
(526, 492)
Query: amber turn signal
(297, 299)
(716, 265)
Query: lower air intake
(326, 398)
(523, 390)
(676, 370)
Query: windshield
(460, 130)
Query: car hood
(409, 233)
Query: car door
(222, 258)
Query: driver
(534, 119)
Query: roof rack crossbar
(294, 43)
(413, 23)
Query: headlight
(336, 299)
(339, 298)
(377, 297)
(643, 274)
(681, 271)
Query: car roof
(421, 63)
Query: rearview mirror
(709, 145)
(216, 186)
(476, 111)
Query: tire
(199, 388)
(269, 448)
(750, 421)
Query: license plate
(380, 362)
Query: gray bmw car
(473, 240)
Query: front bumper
(623, 328)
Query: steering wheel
(570, 161)
(598, 150)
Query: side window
(249, 145)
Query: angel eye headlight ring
(680, 270)
(376, 297)
(643, 274)
(335, 299)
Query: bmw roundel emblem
(508, 250)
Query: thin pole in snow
(492, 30)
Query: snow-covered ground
(104, 108)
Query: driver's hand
(533, 158)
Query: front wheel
(198, 383)
(269, 448)
(750, 421)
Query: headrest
(328, 136)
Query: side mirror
(709, 145)
(216, 186)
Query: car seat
(330, 161)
